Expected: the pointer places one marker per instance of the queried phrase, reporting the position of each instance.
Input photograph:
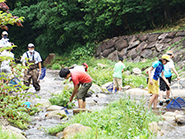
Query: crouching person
(78, 78)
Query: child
(78, 78)
(154, 72)
(168, 75)
(117, 76)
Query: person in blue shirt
(168, 74)
(154, 72)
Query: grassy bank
(122, 119)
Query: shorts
(153, 89)
(163, 85)
(117, 82)
(83, 91)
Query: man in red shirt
(78, 77)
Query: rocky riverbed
(171, 125)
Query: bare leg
(155, 101)
(161, 95)
(167, 94)
(81, 103)
(113, 91)
(151, 100)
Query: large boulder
(146, 53)
(58, 114)
(106, 52)
(48, 60)
(153, 37)
(120, 44)
(73, 129)
(113, 56)
(95, 88)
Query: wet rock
(73, 129)
(153, 127)
(95, 88)
(58, 114)
(13, 130)
(44, 103)
(54, 108)
(76, 111)
(136, 71)
(89, 94)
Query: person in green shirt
(117, 76)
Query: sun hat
(86, 66)
(4, 33)
(31, 45)
(166, 57)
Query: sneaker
(161, 103)
(167, 101)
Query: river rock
(180, 119)
(126, 87)
(76, 111)
(13, 130)
(137, 91)
(136, 71)
(54, 108)
(44, 103)
(58, 114)
(95, 88)
(153, 127)
(73, 129)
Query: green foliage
(11, 106)
(56, 66)
(122, 119)
(64, 26)
(62, 99)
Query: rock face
(138, 47)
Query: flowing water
(53, 84)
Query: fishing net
(173, 105)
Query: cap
(166, 57)
(31, 45)
(169, 52)
(4, 33)
(86, 66)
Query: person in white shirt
(168, 74)
(32, 72)
(4, 42)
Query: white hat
(31, 45)
(4, 33)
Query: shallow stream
(53, 84)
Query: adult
(6, 65)
(78, 78)
(4, 42)
(168, 74)
(33, 60)
(117, 76)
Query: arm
(75, 90)
(174, 70)
(39, 64)
(150, 76)
(122, 70)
